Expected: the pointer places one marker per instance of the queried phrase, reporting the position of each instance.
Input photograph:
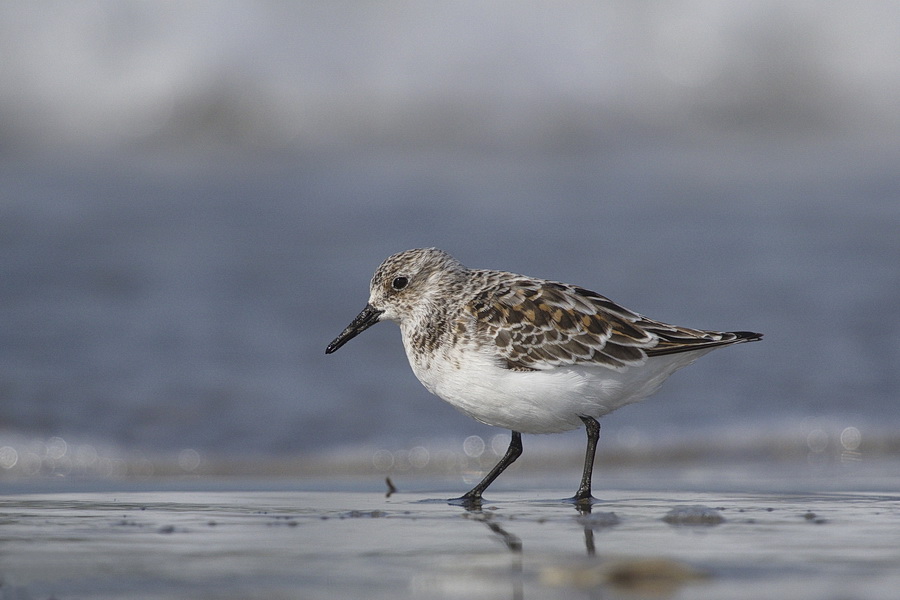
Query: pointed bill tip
(365, 319)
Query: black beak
(365, 319)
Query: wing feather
(535, 324)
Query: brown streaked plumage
(531, 355)
(538, 324)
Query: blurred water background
(193, 197)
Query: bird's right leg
(473, 496)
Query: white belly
(548, 401)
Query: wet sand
(289, 543)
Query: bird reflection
(513, 543)
(584, 510)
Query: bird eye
(399, 283)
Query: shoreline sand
(289, 543)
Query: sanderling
(526, 354)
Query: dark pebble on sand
(693, 515)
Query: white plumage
(526, 354)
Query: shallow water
(259, 543)
(192, 204)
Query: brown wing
(538, 324)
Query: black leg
(583, 495)
(473, 496)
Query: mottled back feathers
(529, 324)
(536, 324)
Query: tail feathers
(746, 336)
(677, 344)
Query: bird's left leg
(583, 495)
